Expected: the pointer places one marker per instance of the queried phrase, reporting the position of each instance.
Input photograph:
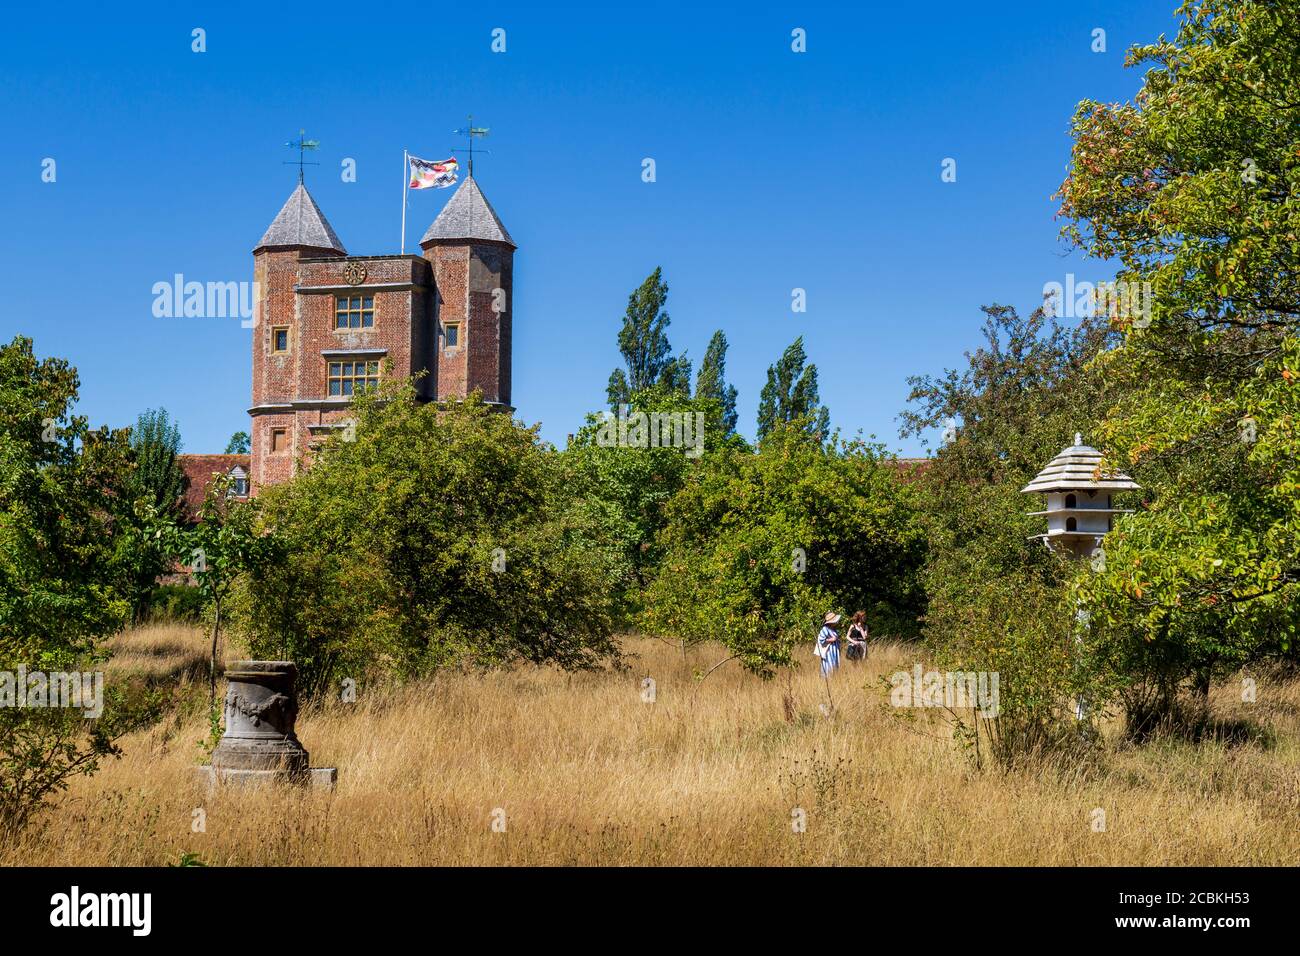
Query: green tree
(791, 395)
(643, 343)
(1023, 393)
(1010, 408)
(437, 534)
(62, 586)
(623, 489)
(154, 489)
(757, 547)
(157, 477)
(225, 544)
(239, 444)
(711, 382)
(1193, 188)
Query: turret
(472, 256)
(298, 232)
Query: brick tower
(328, 324)
(473, 269)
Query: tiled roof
(301, 223)
(468, 215)
(910, 469)
(1076, 468)
(199, 472)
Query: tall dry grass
(582, 771)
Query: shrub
(182, 603)
(439, 534)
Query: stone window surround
(460, 327)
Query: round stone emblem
(355, 273)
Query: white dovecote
(1079, 504)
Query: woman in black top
(857, 638)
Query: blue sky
(775, 170)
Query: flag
(440, 175)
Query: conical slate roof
(468, 215)
(301, 223)
(1073, 470)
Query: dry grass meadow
(585, 772)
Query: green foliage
(1193, 188)
(60, 507)
(154, 491)
(1019, 398)
(62, 582)
(711, 383)
(759, 546)
(226, 544)
(157, 477)
(1020, 626)
(177, 602)
(239, 444)
(643, 343)
(791, 395)
(440, 534)
(41, 749)
(623, 491)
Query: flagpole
(405, 165)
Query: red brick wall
(451, 276)
(453, 282)
(276, 272)
(401, 329)
(467, 275)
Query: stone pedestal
(259, 743)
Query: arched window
(1071, 524)
(1071, 501)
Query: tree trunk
(212, 662)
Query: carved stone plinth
(259, 743)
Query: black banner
(924, 906)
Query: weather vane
(302, 146)
(471, 131)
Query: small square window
(279, 440)
(280, 339)
(451, 335)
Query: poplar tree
(791, 396)
(711, 381)
(643, 343)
